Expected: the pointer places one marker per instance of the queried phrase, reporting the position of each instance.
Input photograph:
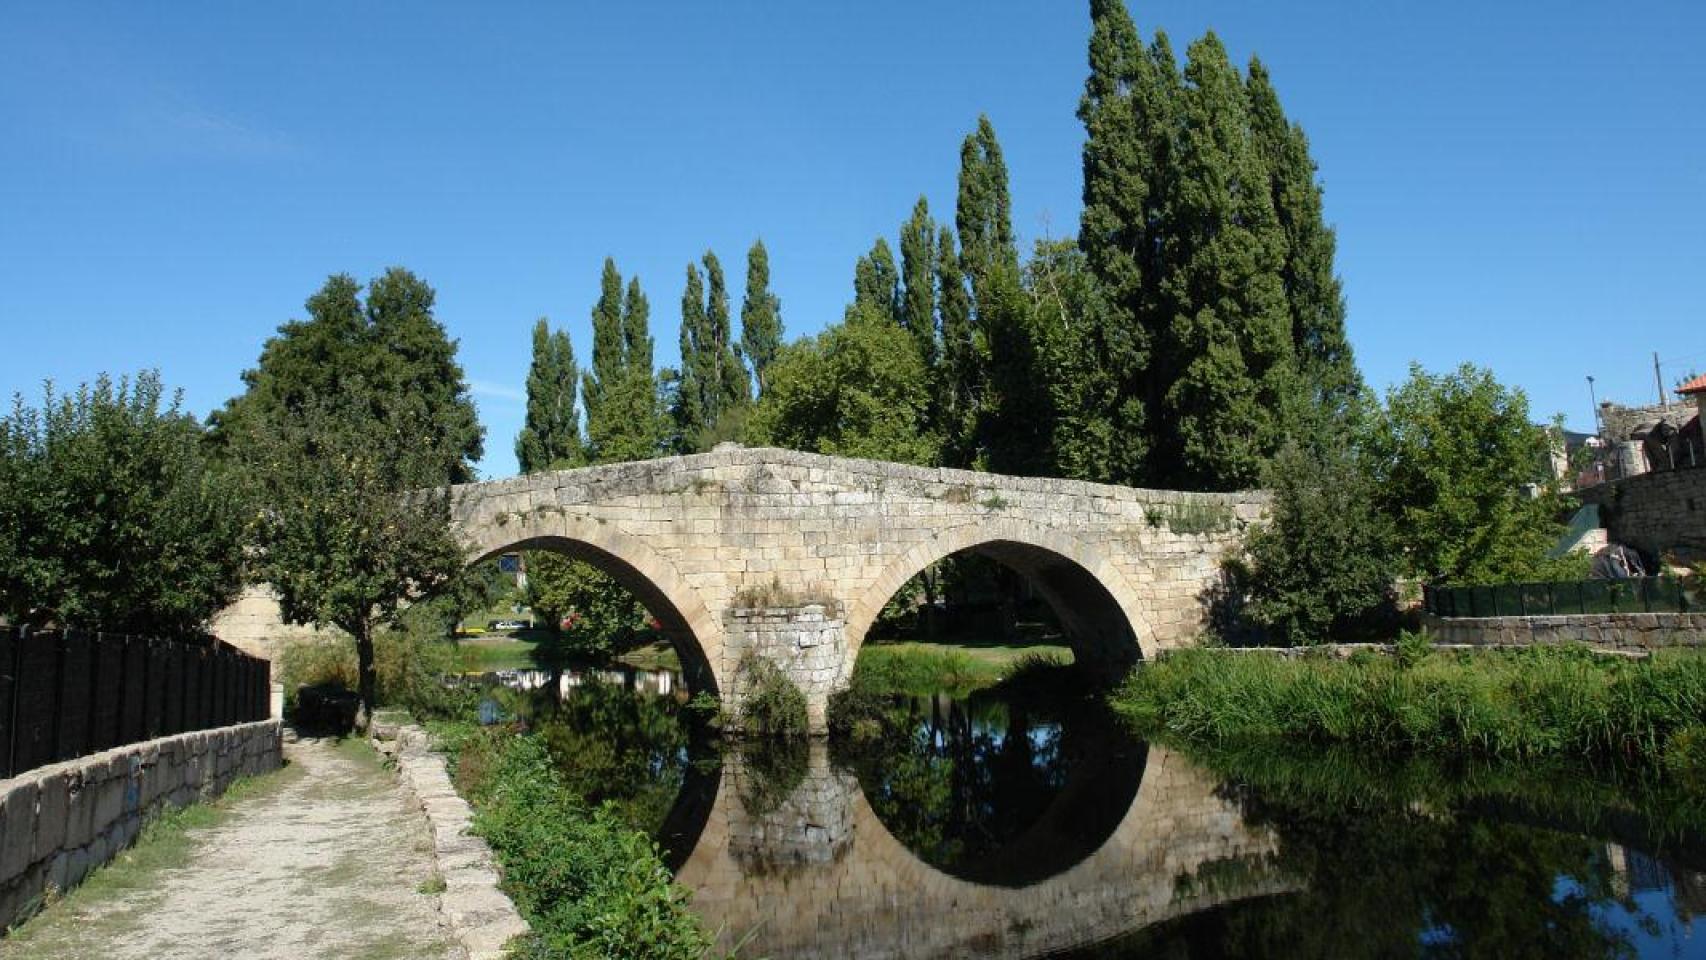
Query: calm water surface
(994, 828)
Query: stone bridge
(821, 876)
(791, 556)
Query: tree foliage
(114, 517)
(1461, 470)
(1325, 562)
(354, 524)
(856, 390)
(392, 342)
(712, 389)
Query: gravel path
(329, 862)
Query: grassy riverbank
(1528, 704)
(588, 884)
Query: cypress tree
(918, 277)
(1228, 340)
(551, 438)
(760, 315)
(1327, 368)
(609, 356)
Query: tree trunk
(368, 675)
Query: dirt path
(325, 862)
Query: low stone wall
(60, 821)
(1628, 632)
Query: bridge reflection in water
(1131, 838)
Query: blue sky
(1521, 185)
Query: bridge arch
(649, 576)
(1100, 611)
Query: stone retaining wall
(1657, 513)
(480, 915)
(1606, 631)
(59, 822)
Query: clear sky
(1522, 185)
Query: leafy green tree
(1083, 393)
(392, 342)
(609, 352)
(1228, 361)
(551, 438)
(114, 517)
(586, 614)
(1326, 560)
(354, 524)
(760, 315)
(856, 390)
(1312, 289)
(1461, 471)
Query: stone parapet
(59, 822)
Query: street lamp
(1595, 401)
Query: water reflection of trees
(629, 750)
(1445, 866)
(969, 786)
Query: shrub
(773, 705)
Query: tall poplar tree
(760, 315)
(959, 375)
(918, 282)
(1228, 340)
(620, 391)
(1312, 288)
(609, 356)
(551, 437)
(876, 284)
(1128, 115)
(713, 385)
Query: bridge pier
(807, 641)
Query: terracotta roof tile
(1697, 385)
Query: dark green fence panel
(1644, 595)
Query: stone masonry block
(18, 827)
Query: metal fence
(65, 694)
(1640, 595)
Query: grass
(166, 842)
(492, 653)
(1543, 702)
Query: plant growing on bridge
(773, 706)
(113, 516)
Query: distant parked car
(506, 625)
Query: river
(996, 827)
